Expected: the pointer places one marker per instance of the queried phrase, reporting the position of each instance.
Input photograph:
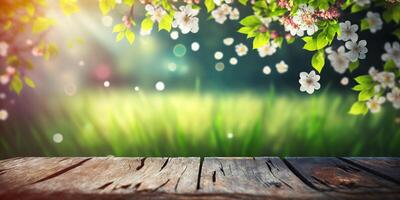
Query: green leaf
(362, 87)
(246, 30)
(251, 21)
(359, 108)
(397, 33)
(29, 82)
(106, 6)
(16, 84)
(311, 44)
(390, 65)
(388, 15)
(120, 36)
(243, 2)
(130, 36)
(365, 95)
(260, 40)
(353, 66)
(41, 24)
(364, 79)
(165, 23)
(69, 6)
(129, 2)
(290, 40)
(147, 24)
(322, 41)
(356, 8)
(210, 5)
(318, 60)
(364, 25)
(119, 28)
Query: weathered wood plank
(15, 173)
(387, 167)
(332, 175)
(263, 176)
(117, 177)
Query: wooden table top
(200, 178)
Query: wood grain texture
(15, 173)
(268, 177)
(117, 177)
(331, 175)
(387, 167)
(188, 178)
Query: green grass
(125, 123)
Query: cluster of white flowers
(156, 13)
(5, 78)
(185, 19)
(386, 81)
(224, 11)
(304, 20)
(268, 49)
(374, 104)
(309, 82)
(340, 59)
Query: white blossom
(174, 35)
(267, 70)
(186, 20)
(281, 67)
(309, 82)
(348, 31)
(292, 27)
(234, 14)
(4, 79)
(392, 53)
(374, 104)
(219, 15)
(226, 9)
(305, 19)
(373, 73)
(357, 50)
(233, 61)
(241, 49)
(394, 97)
(339, 60)
(3, 49)
(155, 12)
(386, 79)
(267, 50)
(3, 115)
(228, 41)
(344, 81)
(362, 2)
(374, 21)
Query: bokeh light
(179, 50)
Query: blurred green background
(201, 112)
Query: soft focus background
(164, 99)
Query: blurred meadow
(132, 123)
